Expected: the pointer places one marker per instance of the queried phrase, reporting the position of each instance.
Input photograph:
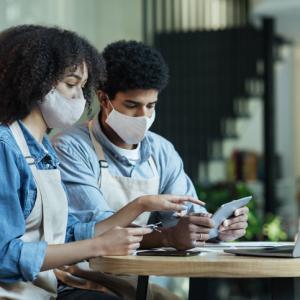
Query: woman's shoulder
(10, 153)
(7, 140)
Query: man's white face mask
(59, 111)
(130, 129)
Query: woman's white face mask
(61, 112)
(130, 129)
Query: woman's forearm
(116, 241)
(66, 254)
(122, 218)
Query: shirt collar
(39, 152)
(108, 146)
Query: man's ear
(102, 98)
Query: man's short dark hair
(133, 65)
(33, 58)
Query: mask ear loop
(109, 101)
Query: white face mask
(61, 112)
(130, 129)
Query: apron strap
(99, 151)
(21, 142)
(153, 166)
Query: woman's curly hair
(133, 65)
(33, 58)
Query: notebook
(288, 251)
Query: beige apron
(47, 221)
(118, 191)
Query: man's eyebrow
(153, 102)
(137, 102)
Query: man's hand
(191, 231)
(235, 227)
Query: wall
(287, 92)
(296, 109)
(285, 141)
(100, 21)
(296, 119)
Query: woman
(46, 79)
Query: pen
(154, 226)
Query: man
(113, 159)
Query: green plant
(273, 230)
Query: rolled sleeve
(31, 259)
(83, 231)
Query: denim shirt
(23, 260)
(80, 171)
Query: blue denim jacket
(23, 260)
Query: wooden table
(281, 271)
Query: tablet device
(225, 211)
(162, 252)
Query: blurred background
(232, 105)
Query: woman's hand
(119, 241)
(166, 202)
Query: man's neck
(111, 135)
